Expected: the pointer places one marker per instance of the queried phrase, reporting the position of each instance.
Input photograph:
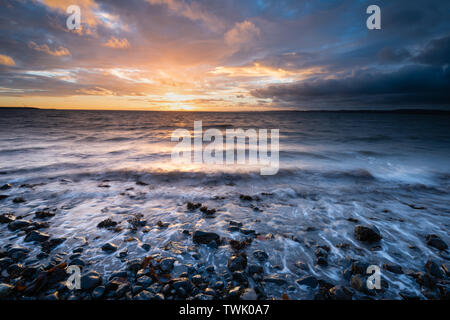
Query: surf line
(190, 149)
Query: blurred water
(374, 167)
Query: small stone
(144, 281)
(98, 292)
(237, 262)
(245, 197)
(394, 268)
(36, 236)
(436, 242)
(321, 261)
(210, 269)
(18, 252)
(19, 224)
(7, 218)
(145, 295)
(309, 281)
(19, 200)
(90, 280)
(166, 264)
(202, 237)
(239, 276)
(367, 233)
(107, 224)
(340, 293)
(44, 214)
(6, 186)
(433, 268)
(193, 206)
(146, 247)
(357, 283)
(5, 290)
(260, 255)
(109, 247)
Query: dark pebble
(36, 236)
(309, 281)
(202, 237)
(436, 242)
(367, 233)
(109, 247)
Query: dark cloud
(437, 52)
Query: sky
(225, 55)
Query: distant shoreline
(371, 111)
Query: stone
(36, 236)
(340, 293)
(202, 237)
(166, 265)
(433, 268)
(367, 233)
(5, 290)
(7, 218)
(144, 281)
(90, 280)
(237, 262)
(19, 224)
(309, 281)
(260, 255)
(18, 252)
(394, 268)
(98, 292)
(109, 247)
(44, 214)
(19, 200)
(6, 186)
(276, 279)
(436, 242)
(145, 295)
(108, 223)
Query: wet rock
(137, 222)
(44, 214)
(5, 261)
(260, 255)
(122, 254)
(146, 246)
(118, 274)
(19, 224)
(255, 269)
(210, 269)
(394, 268)
(36, 236)
(77, 262)
(249, 294)
(193, 206)
(237, 262)
(239, 276)
(236, 224)
(367, 233)
(219, 285)
(357, 283)
(6, 186)
(309, 281)
(433, 268)
(340, 293)
(7, 218)
(197, 279)
(436, 242)
(109, 247)
(245, 197)
(141, 183)
(107, 224)
(3, 197)
(247, 231)
(49, 245)
(424, 279)
(321, 261)
(202, 237)
(359, 267)
(182, 283)
(5, 290)
(166, 265)
(90, 280)
(240, 245)
(144, 281)
(145, 295)
(207, 211)
(234, 293)
(19, 200)
(98, 292)
(320, 252)
(276, 279)
(162, 225)
(18, 252)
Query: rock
(433, 268)
(98, 292)
(394, 268)
(146, 247)
(321, 261)
(260, 255)
(162, 225)
(109, 247)
(18, 225)
(239, 276)
(144, 281)
(359, 267)
(134, 265)
(234, 293)
(182, 283)
(247, 231)
(207, 211)
(210, 269)
(5, 290)
(237, 262)
(7, 218)
(367, 233)
(3, 197)
(91, 280)
(77, 262)
(249, 294)
(166, 264)
(6, 186)
(320, 252)
(49, 245)
(197, 279)
(340, 293)
(18, 252)
(357, 283)
(240, 245)
(107, 224)
(236, 224)
(446, 268)
(193, 206)
(19, 200)
(309, 281)
(145, 295)
(44, 214)
(245, 197)
(118, 274)
(36, 236)
(277, 279)
(5, 261)
(436, 242)
(202, 237)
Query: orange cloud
(241, 33)
(61, 51)
(117, 44)
(87, 8)
(6, 60)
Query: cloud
(59, 52)
(6, 60)
(437, 52)
(117, 44)
(242, 33)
